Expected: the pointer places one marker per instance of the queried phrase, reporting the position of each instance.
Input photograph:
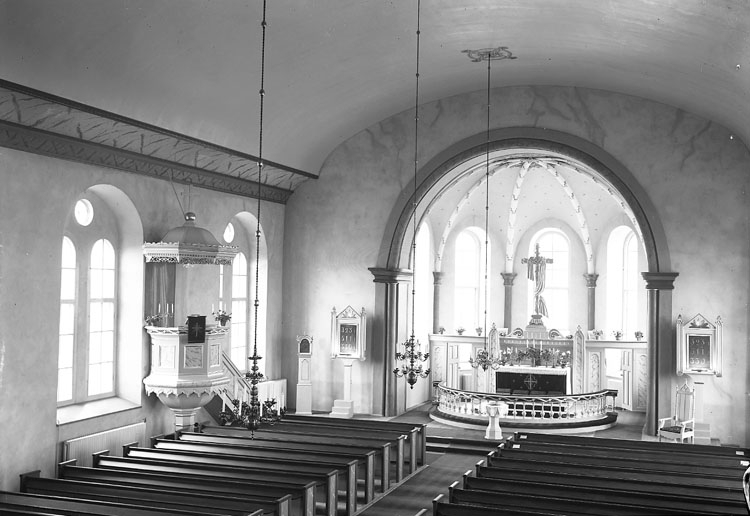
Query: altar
(525, 380)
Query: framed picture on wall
(699, 346)
(348, 333)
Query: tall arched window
(101, 349)
(239, 351)
(469, 284)
(87, 343)
(622, 280)
(67, 322)
(553, 244)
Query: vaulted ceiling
(334, 67)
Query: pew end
(437, 500)
(96, 457)
(126, 448)
(465, 476)
(155, 438)
(30, 474)
(478, 466)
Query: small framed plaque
(699, 346)
(348, 333)
(304, 345)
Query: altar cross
(530, 382)
(536, 267)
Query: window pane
(239, 277)
(95, 340)
(68, 254)
(94, 379)
(68, 285)
(108, 284)
(95, 316)
(67, 319)
(64, 384)
(107, 346)
(95, 284)
(108, 316)
(65, 353)
(105, 383)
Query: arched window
(469, 279)
(622, 280)
(101, 349)
(239, 348)
(87, 342)
(553, 244)
(67, 322)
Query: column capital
(508, 278)
(390, 275)
(660, 280)
(438, 276)
(591, 280)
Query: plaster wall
(36, 196)
(690, 176)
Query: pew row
(176, 499)
(265, 460)
(417, 431)
(278, 505)
(25, 503)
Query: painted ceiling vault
(170, 87)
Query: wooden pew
(365, 457)
(303, 479)
(560, 505)
(620, 492)
(151, 497)
(519, 452)
(59, 505)
(381, 447)
(329, 434)
(266, 459)
(629, 444)
(347, 427)
(641, 453)
(442, 507)
(420, 436)
(612, 479)
(282, 506)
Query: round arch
(395, 247)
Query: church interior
(450, 175)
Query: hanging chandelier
(484, 357)
(411, 359)
(252, 415)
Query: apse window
(83, 212)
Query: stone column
(591, 286)
(436, 300)
(396, 283)
(508, 279)
(659, 286)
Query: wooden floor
(441, 470)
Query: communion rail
(539, 409)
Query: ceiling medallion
(494, 54)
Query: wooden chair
(681, 425)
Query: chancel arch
(449, 180)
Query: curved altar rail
(539, 410)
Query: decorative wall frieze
(37, 122)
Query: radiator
(81, 448)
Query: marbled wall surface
(690, 175)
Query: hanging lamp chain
(416, 167)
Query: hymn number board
(348, 332)
(699, 346)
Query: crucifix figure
(536, 267)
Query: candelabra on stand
(485, 360)
(411, 367)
